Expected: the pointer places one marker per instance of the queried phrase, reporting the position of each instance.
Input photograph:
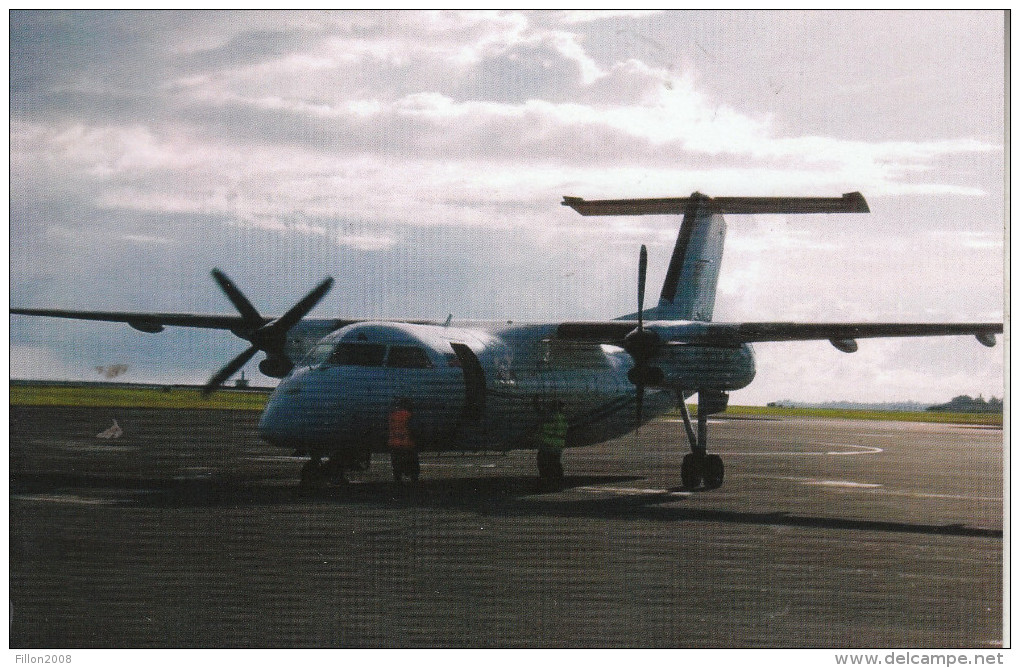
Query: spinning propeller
(642, 344)
(269, 336)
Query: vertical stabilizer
(688, 293)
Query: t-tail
(688, 293)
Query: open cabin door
(474, 381)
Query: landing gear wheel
(333, 471)
(714, 470)
(690, 471)
(312, 475)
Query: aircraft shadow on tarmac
(490, 495)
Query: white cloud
(584, 16)
(32, 361)
(366, 242)
(147, 239)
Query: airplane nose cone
(270, 428)
(280, 423)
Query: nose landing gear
(316, 473)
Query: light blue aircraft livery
(488, 385)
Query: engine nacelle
(147, 327)
(276, 367)
(646, 375)
(844, 345)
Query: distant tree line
(960, 404)
(905, 406)
(965, 404)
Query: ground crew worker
(552, 435)
(403, 451)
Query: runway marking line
(875, 488)
(66, 498)
(843, 483)
(634, 491)
(860, 450)
(959, 497)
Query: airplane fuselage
(476, 386)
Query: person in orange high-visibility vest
(403, 451)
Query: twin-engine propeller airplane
(484, 385)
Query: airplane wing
(153, 323)
(146, 322)
(730, 334)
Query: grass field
(993, 419)
(134, 397)
(145, 397)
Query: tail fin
(688, 293)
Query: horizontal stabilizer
(848, 203)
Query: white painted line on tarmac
(843, 483)
(694, 420)
(875, 488)
(65, 498)
(858, 450)
(114, 447)
(634, 491)
(276, 458)
(957, 497)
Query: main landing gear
(698, 467)
(316, 473)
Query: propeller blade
(642, 273)
(301, 309)
(248, 312)
(229, 370)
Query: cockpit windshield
(346, 353)
(319, 354)
(358, 354)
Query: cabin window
(408, 357)
(358, 354)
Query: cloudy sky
(420, 159)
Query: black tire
(333, 471)
(690, 472)
(545, 467)
(312, 475)
(714, 471)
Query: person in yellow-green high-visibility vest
(552, 436)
